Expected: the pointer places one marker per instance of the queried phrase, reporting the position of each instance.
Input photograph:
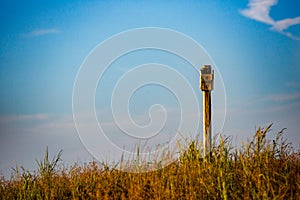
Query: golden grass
(260, 169)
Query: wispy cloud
(259, 10)
(13, 118)
(41, 32)
(282, 97)
(293, 84)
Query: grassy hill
(260, 169)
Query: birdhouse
(206, 78)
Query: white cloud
(40, 32)
(286, 23)
(259, 10)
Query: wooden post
(206, 85)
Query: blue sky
(255, 44)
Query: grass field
(260, 169)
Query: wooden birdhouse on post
(207, 85)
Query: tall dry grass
(260, 169)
